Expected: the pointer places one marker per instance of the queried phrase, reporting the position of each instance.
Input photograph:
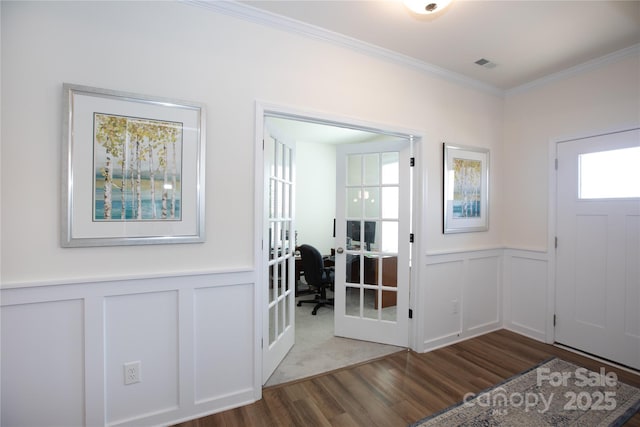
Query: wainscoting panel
(482, 292)
(461, 296)
(42, 364)
(526, 298)
(220, 372)
(442, 319)
(64, 347)
(141, 328)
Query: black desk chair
(317, 276)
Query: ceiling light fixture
(426, 7)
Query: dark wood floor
(402, 388)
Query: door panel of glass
(372, 237)
(278, 253)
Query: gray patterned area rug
(553, 393)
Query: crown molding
(261, 17)
(578, 69)
(248, 13)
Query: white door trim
(277, 110)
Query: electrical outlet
(132, 372)
(455, 306)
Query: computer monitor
(354, 232)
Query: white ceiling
(527, 40)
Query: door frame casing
(264, 109)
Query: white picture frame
(465, 189)
(133, 169)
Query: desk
(389, 276)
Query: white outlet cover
(132, 372)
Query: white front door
(372, 242)
(278, 253)
(598, 247)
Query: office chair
(317, 276)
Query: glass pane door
(372, 237)
(278, 253)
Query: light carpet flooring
(316, 350)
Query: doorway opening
(308, 148)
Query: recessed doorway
(319, 136)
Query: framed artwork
(466, 189)
(133, 169)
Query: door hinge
(412, 161)
(555, 243)
(411, 238)
(410, 314)
(554, 320)
(556, 164)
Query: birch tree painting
(137, 169)
(467, 188)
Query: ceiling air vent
(486, 63)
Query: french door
(278, 253)
(598, 253)
(372, 242)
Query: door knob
(339, 250)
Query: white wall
(316, 194)
(597, 100)
(603, 97)
(71, 317)
(178, 51)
